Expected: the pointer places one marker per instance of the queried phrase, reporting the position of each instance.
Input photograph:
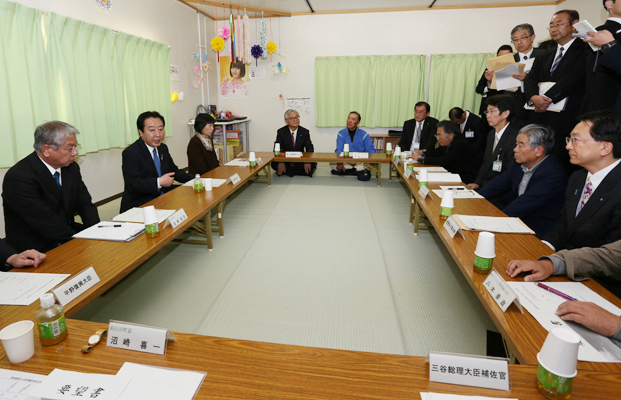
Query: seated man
(294, 137)
(474, 130)
(148, 168)
(358, 141)
(533, 189)
(420, 132)
(10, 259)
(43, 192)
(591, 216)
(498, 155)
(452, 153)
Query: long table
(240, 369)
(523, 334)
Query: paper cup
(447, 199)
(276, 146)
(252, 159)
(398, 149)
(388, 147)
(485, 245)
(150, 217)
(208, 184)
(423, 175)
(559, 353)
(18, 341)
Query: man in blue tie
(148, 168)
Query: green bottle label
(389, 152)
(198, 186)
(277, 153)
(483, 263)
(553, 382)
(50, 330)
(153, 228)
(346, 153)
(421, 184)
(252, 163)
(411, 167)
(446, 212)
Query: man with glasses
(294, 137)
(563, 65)
(419, 133)
(43, 192)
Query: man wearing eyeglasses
(43, 192)
(294, 137)
(419, 132)
(565, 66)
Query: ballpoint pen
(556, 292)
(109, 226)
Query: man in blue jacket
(533, 189)
(359, 142)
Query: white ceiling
(293, 7)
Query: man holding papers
(10, 259)
(358, 141)
(293, 137)
(533, 188)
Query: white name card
(174, 220)
(234, 179)
(76, 286)
(501, 292)
(144, 338)
(294, 154)
(359, 155)
(468, 370)
(407, 174)
(259, 161)
(397, 161)
(452, 227)
(423, 191)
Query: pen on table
(556, 292)
(109, 226)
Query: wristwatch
(608, 45)
(94, 339)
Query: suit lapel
(599, 196)
(148, 157)
(66, 186)
(45, 177)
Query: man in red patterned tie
(294, 137)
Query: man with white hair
(293, 137)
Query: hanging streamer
(247, 44)
(240, 38)
(263, 37)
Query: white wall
(591, 10)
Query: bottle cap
(47, 300)
(197, 176)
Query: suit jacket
(140, 175)
(598, 223)
(586, 262)
(200, 160)
(541, 203)
(504, 149)
(455, 158)
(5, 252)
(476, 144)
(37, 214)
(602, 83)
(427, 136)
(302, 142)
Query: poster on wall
(301, 105)
(234, 78)
(174, 72)
(257, 72)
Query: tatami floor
(327, 262)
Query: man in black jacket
(420, 132)
(293, 137)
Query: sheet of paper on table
(459, 194)
(60, 384)
(238, 162)
(17, 384)
(136, 214)
(156, 383)
(492, 224)
(542, 305)
(214, 183)
(442, 396)
(431, 169)
(353, 154)
(442, 177)
(22, 289)
(105, 230)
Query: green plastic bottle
(51, 321)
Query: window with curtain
(88, 76)
(383, 89)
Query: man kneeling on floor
(359, 142)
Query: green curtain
(452, 82)
(383, 89)
(25, 99)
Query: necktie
(495, 142)
(420, 128)
(588, 191)
(57, 179)
(293, 139)
(557, 61)
(156, 160)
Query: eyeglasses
(70, 149)
(487, 112)
(573, 140)
(557, 25)
(523, 38)
(293, 118)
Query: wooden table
(522, 332)
(373, 162)
(239, 369)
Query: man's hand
(472, 186)
(417, 154)
(28, 258)
(600, 38)
(520, 77)
(540, 270)
(591, 316)
(307, 168)
(489, 75)
(340, 167)
(281, 168)
(541, 103)
(167, 179)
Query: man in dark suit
(533, 189)
(452, 153)
(483, 87)
(293, 137)
(420, 132)
(148, 168)
(43, 192)
(564, 65)
(474, 130)
(603, 85)
(9, 258)
(610, 51)
(498, 155)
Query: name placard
(137, 337)
(234, 179)
(76, 286)
(259, 161)
(467, 370)
(407, 173)
(293, 154)
(397, 159)
(174, 220)
(359, 155)
(501, 292)
(452, 227)
(423, 191)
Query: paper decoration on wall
(224, 32)
(196, 56)
(246, 38)
(217, 44)
(181, 96)
(105, 5)
(279, 69)
(263, 37)
(196, 82)
(257, 51)
(174, 97)
(271, 48)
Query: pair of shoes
(364, 175)
(337, 172)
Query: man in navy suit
(10, 259)
(533, 189)
(293, 137)
(420, 132)
(474, 130)
(148, 168)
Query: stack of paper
(492, 224)
(442, 396)
(214, 183)
(238, 162)
(155, 383)
(543, 88)
(442, 177)
(22, 289)
(136, 215)
(115, 231)
(461, 193)
(431, 169)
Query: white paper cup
(18, 341)
(559, 353)
(252, 156)
(150, 217)
(423, 175)
(388, 146)
(398, 149)
(346, 148)
(208, 184)
(276, 146)
(447, 199)
(486, 246)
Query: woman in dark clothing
(202, 156)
